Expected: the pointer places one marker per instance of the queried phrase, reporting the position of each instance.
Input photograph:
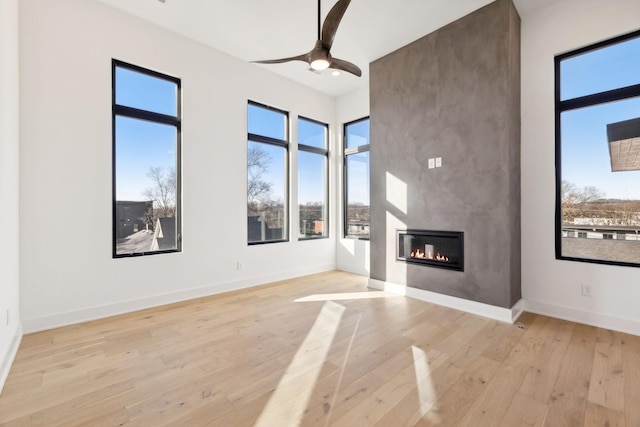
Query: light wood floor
(322, 351)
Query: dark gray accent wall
(454, 94)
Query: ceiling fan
(319, 58)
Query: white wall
(67, 271)
(352, 255)
(548, 285)
(10, 331)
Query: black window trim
(345, 196)
(324, 152)
(561, 106)
(150, 116)
(286, 145)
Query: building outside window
(357, 211)
(146, 161)
(597, 144)
(267, 172)
(313, 179)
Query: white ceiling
(270, 29)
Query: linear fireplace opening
(443, 249)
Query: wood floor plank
(452, 405)
(606, 387)
(275, 355)
(491, 406)
(525, 411)
(503, 338)
(542, 375)
(375, 406)
(630, 361)
(347, 398)
(597, 415)
(568, 402)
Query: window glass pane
(312, 134)
(358, 210)
(607, 68)
(312, 194)
(145, 92)
(266, 192)
(600, 188)
(145, 186)
(267, 122)
(357, 133)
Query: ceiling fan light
(319, 64)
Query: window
(597, 144)
(267, 172)
(357, 212)
(313, 179)
(146, 161)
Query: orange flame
(420, 254)
(441, 258)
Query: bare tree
(163, 192)
(147, 218)
(577, 203)
(258, 190)
(310, 213)
(571, 195)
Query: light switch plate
(438, 162)
(432, 163)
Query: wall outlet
(587, 291)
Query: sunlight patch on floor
(346, 296)
(427, 396)
(289, 400)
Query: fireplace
(443, 249)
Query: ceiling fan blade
(304, 57)
(331, 22)
(340, 64)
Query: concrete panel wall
(453, 94)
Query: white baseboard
(107, 310)
(600, 320)
(509, 315)
(8, 359)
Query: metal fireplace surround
(442, 249)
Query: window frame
(366, 148)
(324, 152)
(285, 143)
(152, 117)
(590, 100)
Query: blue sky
(358, 181)
(311, 166)
(585, 151)
(141, 145)
(145, 92)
